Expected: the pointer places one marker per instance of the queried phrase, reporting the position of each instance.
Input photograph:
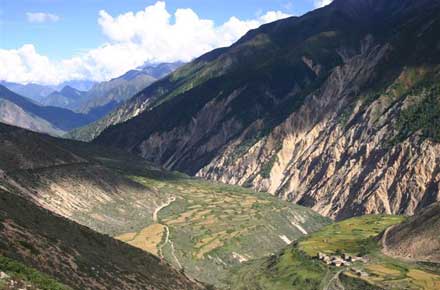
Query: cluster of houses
(344, 260)
(339, 261)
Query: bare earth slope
(62, 177)
(12, 114)
(418, 238)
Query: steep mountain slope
(202, 227)
(12, 114)
(158, 70)
(68, 98)
(298, 266)
(330, 110)
(34, 92)
(76, 255)
(63, 179)
(126, 86)
(80, 85)
(59, 119)
(418, 238)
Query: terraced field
(201, 228)
(205, 229)
(297, 268)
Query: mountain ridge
(61, 119)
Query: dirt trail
(167, 235)
(335, 282)
(174, 255)
(167, 240)
(167, 232)
(159, 208)
(383, 241)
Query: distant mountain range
(23, 112)
(34, 92)
(83, 85)
(126, 86)
(83, 96)
(44, 109)
(68, 98)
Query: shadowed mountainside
(20, 111)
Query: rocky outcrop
(340, 170)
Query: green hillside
(297, 267)
(22, 276)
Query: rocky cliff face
(340, 164)
(336, 110)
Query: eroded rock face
(336, 160)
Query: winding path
(335, 282)
(159, 208)
(167, 235)
(383, 241)
(167, 232)
(174, 255)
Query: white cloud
(321, 3)
(133, 38)
(26, 65)
(41, 17)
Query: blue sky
(80, 33)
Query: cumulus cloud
(41, 17)
(322, 3)
(150, 35)
(26, 65)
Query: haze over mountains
(80, 107)
(20, 111)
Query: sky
(51, 41)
